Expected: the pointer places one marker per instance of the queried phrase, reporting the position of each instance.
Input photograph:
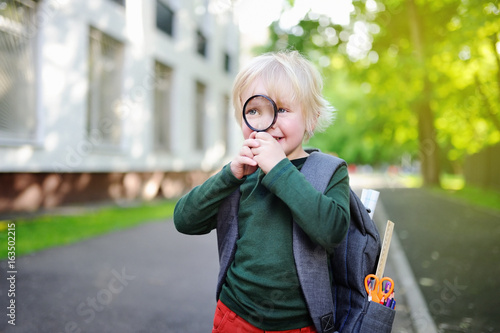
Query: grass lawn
(485, 198)
(47, 231)
(454, 186)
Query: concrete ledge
(32, 192)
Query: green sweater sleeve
(324, 217)
(196, 212)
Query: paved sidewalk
(454, 252)
(148, 279)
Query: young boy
(261, 290)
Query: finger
(246, 151)
(246, 160)
(252, 143)
(263, 136)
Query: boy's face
(289, 128)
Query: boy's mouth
(278, 139)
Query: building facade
(113, 99)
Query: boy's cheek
(246, 131)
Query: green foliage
(376, 80)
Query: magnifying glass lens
(259, 113)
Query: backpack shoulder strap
(319, 169)
(227, 235)
(311, 259)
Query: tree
(404, 70)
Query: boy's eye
(282, 110)
(251, 112)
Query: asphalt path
(454, 253)
(146, 279)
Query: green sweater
(262, 284)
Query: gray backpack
(333, 286)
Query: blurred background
(100, 99)
(126, 103)
(117, 100)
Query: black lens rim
(275, 108)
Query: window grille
(162, 108)
(18, 116)
(105, 86)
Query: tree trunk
(429, 149)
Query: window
(163, 88)
(164, 18)
(200, 115)
(18, 117)
(120, 2)
(227, 62)
(105, 82)
(201, 43)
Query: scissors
(378, 292)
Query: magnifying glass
(260, 113)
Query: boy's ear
(310, 131)
(315, 122)
(312, 127)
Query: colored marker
(387, 286)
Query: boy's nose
(273, 126)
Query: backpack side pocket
(377, 319)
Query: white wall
(62, 143)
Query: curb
(419, 312)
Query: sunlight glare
(258, 14)
(338, 11)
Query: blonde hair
(287, 70)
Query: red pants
(226, 321)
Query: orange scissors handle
(382, 289)
(376, 292)
(371, 289)
(368, 282)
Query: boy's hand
(243, 164)
(266, 151)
